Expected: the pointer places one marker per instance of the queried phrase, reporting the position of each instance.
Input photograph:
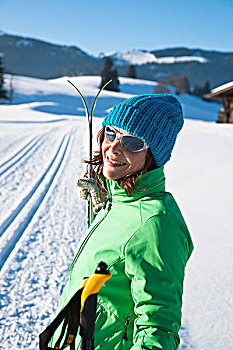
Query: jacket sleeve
(155, 259)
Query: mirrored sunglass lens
(132, 143)
(110, 134)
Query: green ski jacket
(146, 244)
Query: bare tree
(11, 88)
(181, 84)
(3, 92)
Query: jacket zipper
(124, 337)
(85, 241)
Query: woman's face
(119, 162)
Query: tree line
(180, 83)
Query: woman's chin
(112, 174)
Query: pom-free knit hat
(156, 118)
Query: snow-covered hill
(43, 138)
(58, 97)
(139, 57)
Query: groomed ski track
(31, 203)
(38, 235)
(20, 155)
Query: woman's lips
(114, 163)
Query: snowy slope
(42, 141)
(58, 97)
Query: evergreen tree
(200, 91)
(197, 90)
(131, 73)
(206, 87)
(109, 72)
(3, 95)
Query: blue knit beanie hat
(156, 118)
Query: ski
(89, 120)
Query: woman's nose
(116, 146)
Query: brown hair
(128, 181)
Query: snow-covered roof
(225, 89)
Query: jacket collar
(151, 182)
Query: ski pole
(79, 312)
(89, 120)
(89, 305)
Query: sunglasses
(128, 142)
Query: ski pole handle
(95, 282)
(89, 305)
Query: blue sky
(106, 25)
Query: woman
(139, 233)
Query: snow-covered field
(43, 138)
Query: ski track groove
(25, 155)
(23, 148)
(17, 233)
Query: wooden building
(224, 94)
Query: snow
(24, 42)
(132, 57)
(43, 138)
(142, 57)
(171, 59)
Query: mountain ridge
(42, 59)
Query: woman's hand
(88, 186)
